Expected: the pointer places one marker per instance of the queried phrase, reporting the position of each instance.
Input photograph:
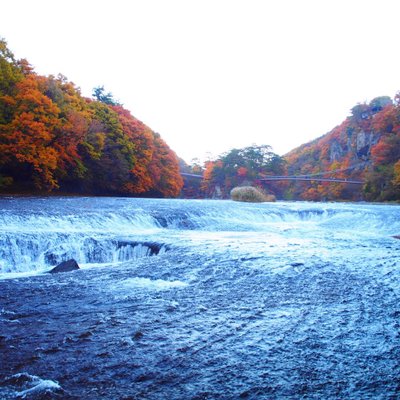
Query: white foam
(151, 284)
(40, 385)
(31, 241)
(25, 274)
(98, 223)
(34, 252)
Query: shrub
(250, 194)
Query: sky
(212, 75)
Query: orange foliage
(156, 167)
(242, 172)
(142, 138)
(396, 178)
(387, 151)
(52, 136)
(164, 170)
(27, 138)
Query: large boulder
(65, 266)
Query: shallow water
(199, 300)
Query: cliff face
(358, 144)
(338, 149)
(356, 149)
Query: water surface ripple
(240, 301)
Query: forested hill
(55, 140)
(366, 146)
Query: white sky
(211, 75)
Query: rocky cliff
(354, 150)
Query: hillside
(366, 147)
(52, 139)
(364, 150)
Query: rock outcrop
(65, 266)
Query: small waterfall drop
(37, 233)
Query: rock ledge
(65, 266)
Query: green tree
(10, 74)
(245, 165)
(75, 116)
(107, 98)
(109, 155)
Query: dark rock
(153, 247)
(85, 335)
(65, 266)
(138, 335)
(396, 236)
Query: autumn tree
(10, 74)
(381, 178)
(364, 146)
(140, 180)
(75, 117)
(25, 142)
(108, 153)
(396, 175)
(51, 137)
(164, 170)
(239, 166)
(10, 71)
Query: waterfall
(37, 233)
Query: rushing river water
(179, 299)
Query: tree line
(364, 147)
(53, 139)
(237, 167)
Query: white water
(199, 299)
(129, 285)
(36, 234)
(28, 386)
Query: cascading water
(32, 252)
(49, 231)
(34, 239)
(256, 301)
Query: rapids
(179, 299)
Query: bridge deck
(294, 178)
(297, 178)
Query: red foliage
(28, 137)
(156, 167)
(51, 135)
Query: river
(186, 299)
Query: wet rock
(296, 264)
(85, 335)
(138, 335)
(154, 248)
(65, 266)
(145, 377)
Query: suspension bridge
(324, 176)
(305, 178)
